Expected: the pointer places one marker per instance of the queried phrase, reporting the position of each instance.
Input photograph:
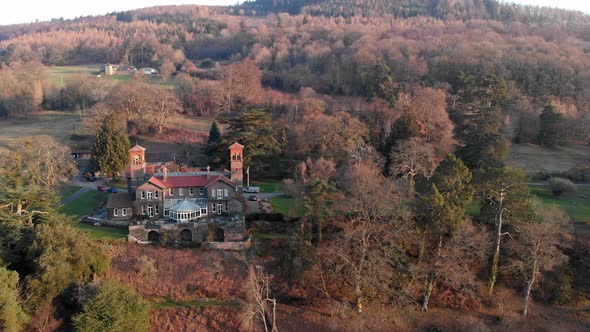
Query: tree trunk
(496, 257)
(529, 286)
(432, 276)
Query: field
(576, 205)
(286, 206)
(535, 159)
(59, 125)
(64, 75)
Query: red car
(101, 188)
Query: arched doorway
(218, 236)
(186, 235)
(153, 236)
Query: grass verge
(287, 206)
(167, 302)
(268, 186)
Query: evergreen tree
(255, 130)
(12, 317)
(111, 148)
(551, 121)
(116, 307)
(477, 114)
(442, 210)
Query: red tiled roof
(185, 181)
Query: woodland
(388, 124)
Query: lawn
(102, 233)
(286, 206)
(85, 204)
(67, 191)
(59, 125)
(268, 186)
(64, 75)
(167, 302)
(576, 205)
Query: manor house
(167, 202)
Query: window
(225, 192)
(201, 191)
(115, 212)
(143, 195)
(150, 195)
(136, 160)
(166, 212)
(124, 212)
(191, 191)
(150, 210)
(157, 209)
(226, 206)
(156, 194)
(213, 208)
(219, 208)
(212, 192)
(180, 191)
(204, 212)
(171, 192)
(219, 193)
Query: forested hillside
(384, 127)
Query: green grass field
(68, 190)
(85, 204)
(576, 205)
(286, 206)
(163, 303)
(268, 186)
(64, 75)
(102, 233)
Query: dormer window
(191, 191)
(180, 191)
(171, 192)
(201, 191)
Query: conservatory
(186, 211)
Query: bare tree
(539, 247)
(165, 106)
(412, 157)
(265, 307)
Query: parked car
(253, 198)
(101, 188)
(91, 179)
(252, 190)
(113, 190)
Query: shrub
(117, 307)
(560, 186)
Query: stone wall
(224, 228)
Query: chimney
(208, 172)
(164, 173)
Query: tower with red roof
(236, 152)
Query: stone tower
(136, 162)
(236, 153)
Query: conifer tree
(110, 151)
(551, 120)
(12, 316)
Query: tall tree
(411, 158)
(539, 247)
(12, 316)
(504, 198)
(256, 131)
(551, 121)
(111, 148)
(443, 210)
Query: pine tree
(551, 121)
(110, 151)
(12, 316)
(214, 134)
